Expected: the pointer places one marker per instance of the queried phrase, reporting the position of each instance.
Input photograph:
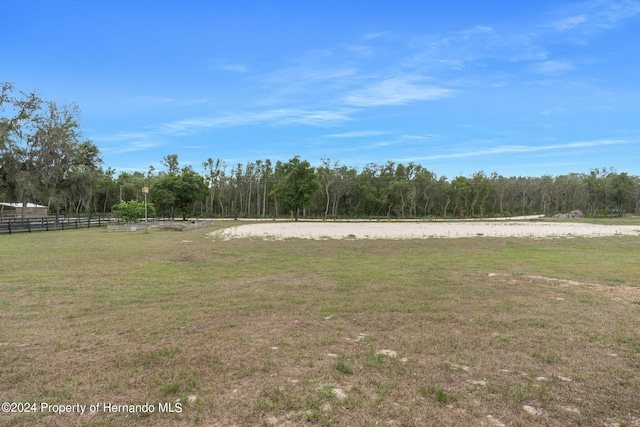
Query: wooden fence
(30, 225)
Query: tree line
(44, 160)
(396, 190)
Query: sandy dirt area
(421, 230)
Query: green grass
(259, 332)
(611, 220)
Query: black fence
(30, 225)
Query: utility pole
(145, 190)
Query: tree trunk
(264, 201)
(326, 209)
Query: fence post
(29, 225)
(9, 226)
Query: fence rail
(30, 225)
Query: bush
(132, 210)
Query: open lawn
(476, 331)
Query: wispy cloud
(478, 29)
(372, 36)
(397, 90)
(282, 116)
(123, 136)
(456, 50)
(553, 111)
(321, 78)
(552, 67)
(150, 137)
(589, 17)
(123, 143)
(356, 134)
(420, 137)
(155, 100)
(570, 22)
(233, 67)
(512, 149)
(461, 49)
(236, 68)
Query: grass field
(481, 331)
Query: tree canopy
(174, 191)
(296, 185)
(42, 154)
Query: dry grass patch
(251, 332)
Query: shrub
(132, 210)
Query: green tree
(297, 184)
(596, 187)
(173, 192)
(106, 192)
(621, 191)
(16, 165)
(214, 175)
(42, 157)
(170, 161)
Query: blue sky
(517, 88)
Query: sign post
(145, 190)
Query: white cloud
(589, 17)
(570, 23)
(553, 67)
(308, 76)
(356, 134)
(553, 111)
(510, 149)
(225, 65)
(478, 29)
(154, 136)
(420, 137)
(459, 46)
(398, 90)
(609, 12)
(154, 100)
(372, 36)
(284, 116)
(236, 68)
(128, 142)
(313, 118)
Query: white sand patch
(570, 409)
(339, 393)
(531, 410)
(388, 353)
(495, 422)
(421, 230)
(458, 367)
